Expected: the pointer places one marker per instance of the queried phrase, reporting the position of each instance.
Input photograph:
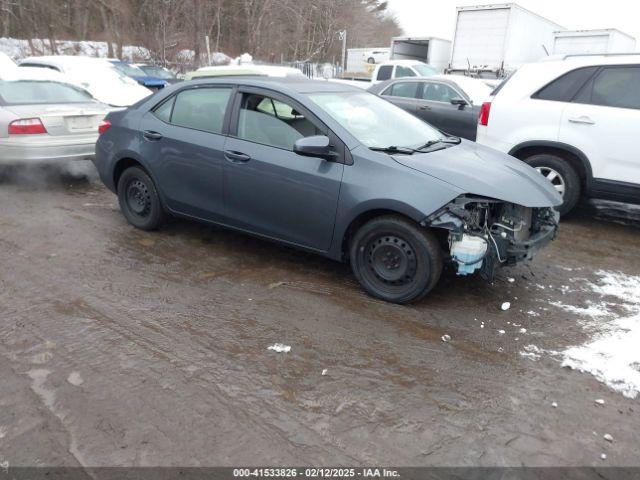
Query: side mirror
(461, 102)
(315, 146)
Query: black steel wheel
(395, 260)
(139, 200)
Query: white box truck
(432, 50)
(609, 40)
(492, 40)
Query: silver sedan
(46, 121)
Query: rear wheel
(371, 60)
(139, 200)
(395, 260)
(562, 177)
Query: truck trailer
(609, 40)
(492, 40)
(432, 50)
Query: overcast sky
(436, 18)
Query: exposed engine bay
(485, 233)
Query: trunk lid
(64, 119)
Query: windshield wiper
(448, 140)
(394, 149)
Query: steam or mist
(50, 175)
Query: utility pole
(342, 35)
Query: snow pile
(613, 355)
(280, 348)
(18, 49)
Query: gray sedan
(327, 168)
(46, 121)
(448, 102)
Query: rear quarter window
(384, 72)
(565, 87)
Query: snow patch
(612, 355)
(280, 348)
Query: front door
(270, 190)
(184, 142)
(434, 106)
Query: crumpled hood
(480, 170)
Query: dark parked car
(328, 168)
(450, 103)
(158, 72)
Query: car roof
(65, 60)
(402, 62)
(593, 59)
(301, 85)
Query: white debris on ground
(511, 279)
(554, 404)
(324, 371)
(75, 379)
(531, 313)
(505, 306)
(280, 348)
(612, 355)
(608, 437)
(603, 456)
(446, 338)
(600, 401)
(501, 332)
(523, 330)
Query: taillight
(26, 126)
(104, 126)
(485, 110)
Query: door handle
(424, 107)
(236, 157)
(150, 135)
(583, 119)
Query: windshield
(25, 92)
(373, 121)
(158, 72)
(425, 70)
(130, 70)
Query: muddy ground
(121, 347)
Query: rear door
(403, 94)
(270, 190)
(604, 122)
(183, 140)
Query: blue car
(327, 168)
(153, 83)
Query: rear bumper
(45, 152)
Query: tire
(565, 178)
(139, 200)
(371, 60)
(395, 260)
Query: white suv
(576, 119)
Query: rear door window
(403, 89)
(614, 87)
(163, 112)
(201, 109)
(564, 88)
(384, 72)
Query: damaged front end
(484, 233)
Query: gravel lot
(121, 347)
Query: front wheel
(395, 260)
(371, 60)
(139, 200)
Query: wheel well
(363, 218)
(573, 159)
(121, 166)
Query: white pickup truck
(392, 69)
